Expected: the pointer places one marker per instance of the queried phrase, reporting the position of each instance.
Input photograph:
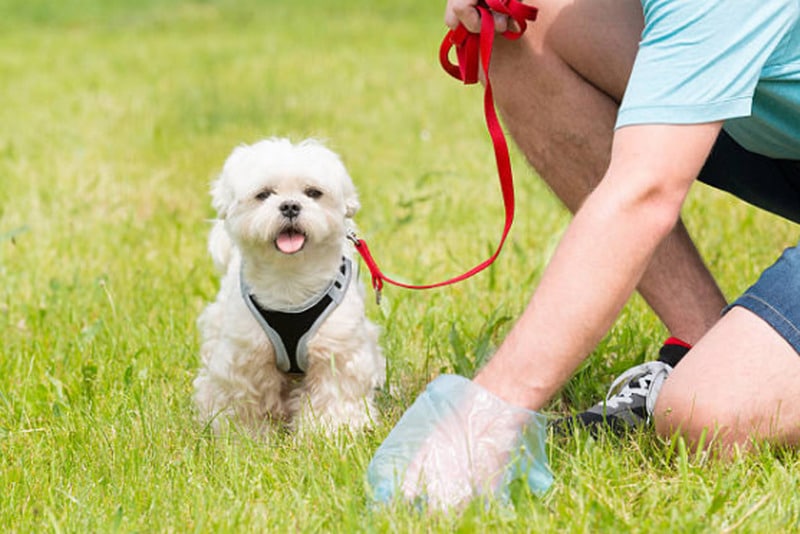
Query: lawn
(115, 117)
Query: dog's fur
(239, 380)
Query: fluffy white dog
(286, 341)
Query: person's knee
(738, 384)
(596, 39)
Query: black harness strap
(290, 330)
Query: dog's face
(285, 199)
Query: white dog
(286, 341)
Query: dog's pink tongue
(290, 242)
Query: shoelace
(649, 378)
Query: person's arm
(599, 260)
(463, 438)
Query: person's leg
(742, 380)
(558, 90)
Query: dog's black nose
(290, 209)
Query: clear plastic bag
(456, 442)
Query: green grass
(116, 116)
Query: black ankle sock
(672, 351)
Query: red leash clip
(473, 51)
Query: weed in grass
(469, 353)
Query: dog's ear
(352, 205)
(223, 196)
(220, 246)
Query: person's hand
(464, 12)
(465, 456)
(456, 442)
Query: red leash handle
(473, 50)
(471, 47)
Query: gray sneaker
(631, 398)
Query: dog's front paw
(356, 415)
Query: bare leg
(558, 89)
(719, 387)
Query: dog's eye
(313, 192)
(263, 195)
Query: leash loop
(473, 54)
(470, 46)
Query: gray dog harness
(289, 330)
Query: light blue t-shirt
(732, 60)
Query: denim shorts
(773, 185)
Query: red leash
(472, 50)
